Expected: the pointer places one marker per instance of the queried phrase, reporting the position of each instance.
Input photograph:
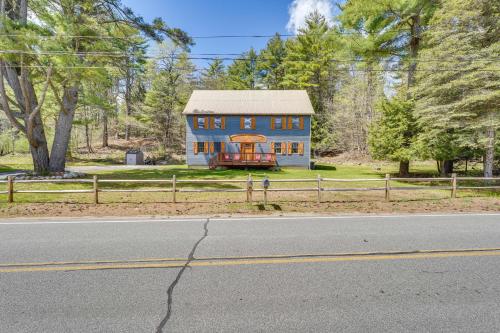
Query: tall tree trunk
(33, 127)
(404, 168)
(105, 133)
(63, 129)
(489, 156)
(25, 96)
(414, 48)
(128, 102)
(87, 139)
(446, 168)
(40, 151)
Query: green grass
(342, 171)
(24, 162)
(182, 172)
(325, 170)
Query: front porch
(246, 157)
(243, 160)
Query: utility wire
(223, 57)
(343, 32)
(333, 70)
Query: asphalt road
(303, 274)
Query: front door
(247, 151)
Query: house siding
(262, 126)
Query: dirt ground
(459, 205)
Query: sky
(231, 17)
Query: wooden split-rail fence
(320, 185)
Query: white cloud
(299, 9)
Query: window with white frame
(247, 123)
(278, 122)
(296, 122)
(217, 122)
(201, 122)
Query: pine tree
(309, 64)
(243, 73)
(270, 63)
(392, 136)
(214, 77)
(396, 26)
(458, 94)
(170, 83)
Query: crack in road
(170, 291)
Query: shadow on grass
(100, 161)
(325, 167)
(6, 168)
(274, 206)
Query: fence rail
(248, 188)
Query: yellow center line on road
(270, 256)
(267, 260)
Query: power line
(343, 32)
(334, 70)
(223, 56)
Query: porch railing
(264, 158)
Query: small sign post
(265, 184)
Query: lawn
(341, 171)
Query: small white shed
(134, 157)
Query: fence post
(96, 190)
(174, 190)
(387, 187)
(249, 188)
(453, 185)
(319, 189)
(10, 189)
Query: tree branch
(5, 103)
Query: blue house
(248, 128)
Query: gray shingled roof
(255, 102)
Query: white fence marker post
(453, 185)
(319, 189)
(96, 190)
(387, 187)
(174, 190)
